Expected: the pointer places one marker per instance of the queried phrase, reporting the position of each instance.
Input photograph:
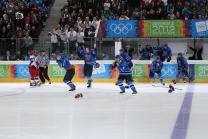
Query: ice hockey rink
(51, 112)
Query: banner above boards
(199, 28)
(121, 28)
(153, 28)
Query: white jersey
(33, 61)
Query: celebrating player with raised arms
(164, 52)
(63, 62)
(126, 57)
(124, 74)
(146, 52)
(183, 67)
(33, 69)
(156, 68)
(90, 61)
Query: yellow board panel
(58, 80)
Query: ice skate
(89, 86)
(191, 81)
(72, 89)
(153, 80)
(32, 84)
(162, 83)
(184, 81)
(49, 82)
(122, 92)
(38, 84)
(134, 93)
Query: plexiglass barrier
(18, 48)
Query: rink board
(17, 71)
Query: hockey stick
(166, 87)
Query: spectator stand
(18, 18)
(20, 14)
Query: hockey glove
(185, 70)
(130, 65)
(70, 67)
(78, 96)
(158, 72)
(171, 89)
(168, 60)
(97, 65)
(111, 66)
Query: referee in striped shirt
(43, 67)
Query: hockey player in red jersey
(33, 69)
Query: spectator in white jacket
(95, 22)
(54, 40)
(63, 42)
(123, 17)
(106, 5)
(80, 37)
(79, 22)
(87, 23)
(72, 35)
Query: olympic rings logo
(23, 71)
(121, 28)
(168, 71)
(201, 26)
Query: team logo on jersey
(164, 53)
(87, 57)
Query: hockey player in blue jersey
(124, 74)
(146, 52)
(63, 62)
(164, 52)
(126, 57)
(90, 61)
(183, 67)
(156, 68)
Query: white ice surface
(52, 112)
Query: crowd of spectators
(78, 12)
(77, 23)
(22, 20)
(79, 18)
(154, 9)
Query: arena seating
(18, 17)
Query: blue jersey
(166, 53)
(146, 53)
(126, 57)
(182, 63)
(123, 68)
(64, 63)
(89, 58)
(156, 66)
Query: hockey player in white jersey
(33, 69)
